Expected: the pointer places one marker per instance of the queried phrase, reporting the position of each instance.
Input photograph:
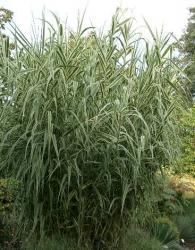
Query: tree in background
(5, 52)
(188, 48)
(5, 17)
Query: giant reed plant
(89, 121)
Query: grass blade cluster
(89, 121)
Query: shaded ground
(190, 246)
(184, 183)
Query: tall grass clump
(89, 120)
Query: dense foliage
(86, 121)
(8, 193)
(188, 48)
(187, 124)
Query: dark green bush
(185, 226)
(186, 222)
(52, 243)
(187, 127)
(165, 230)
(9, 189)
(167, 200)
(136, 239)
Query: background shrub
(187, 124)
(165, 230)
(9, 189)
(136, 239)
(168, 200)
